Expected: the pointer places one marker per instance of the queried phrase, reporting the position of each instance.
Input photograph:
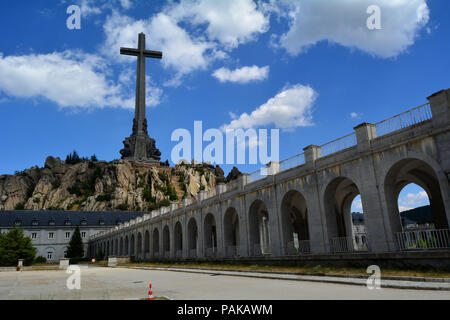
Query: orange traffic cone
(150, 293)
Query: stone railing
(404, 120)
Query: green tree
(14, 246)
(75, 250)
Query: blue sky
(311, 68)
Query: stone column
(316, 220)
(440, 108)
(379, 238)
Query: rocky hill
(90, 185)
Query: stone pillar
(20, 265)
(316, 219)
(440, 107)
(221, 188)
(243, 180)
(364, 133)
(378, 238)
(312, 153)
(63, 263)
(273, 168)
(112, 261)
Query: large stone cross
(139, 146)
(141, 53)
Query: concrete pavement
(120, 283)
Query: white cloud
(70, 79)
(344, 22)
(413, 200)
(242, 75)
(290, 108)
(181, 53)
(355, 115)
(126, 4)
(231, 22)
(88, 8)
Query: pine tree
(14, 246)
(75, 250)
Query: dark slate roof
(60, 218)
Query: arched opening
(433, 235)
(116, 247)
(132, 245)
(192, 238)
(338, 199)
(231, 232)
(121, 252)
(259, 228)
(178, 240)
(127, 248)
(107, 249)
(294, 220)
(147, 242)
(210, 238)
(166, 241)
(358, 225)
(156, 243)
(139, 245)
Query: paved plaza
(99, 283)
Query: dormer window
(35, 223)
(18, 223)
(67, 223)
(83, 222)
(51, 222)
(101, 222)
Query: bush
(122, 207)
(40, 260)
(20, 206)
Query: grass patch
(316, 270)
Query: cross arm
(153, 54)
(129, 51)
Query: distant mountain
(421, 215)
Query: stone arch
(126, 246)
(166, 241)
(192, 233)
(423, 174)
(132, 245)
(121, 252)
(139, 244)
(210, 235)
(338, 197)
(231, 232)
(155, 238)
(294, 223)
(259, 235)
(116, 247)
(147, 242)
(178, 239)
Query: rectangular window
(51, 235)
(49, 256)
(83, 234)
(34, 235)
(67, 235)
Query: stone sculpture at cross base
(139, 146)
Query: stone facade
(303, 205)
